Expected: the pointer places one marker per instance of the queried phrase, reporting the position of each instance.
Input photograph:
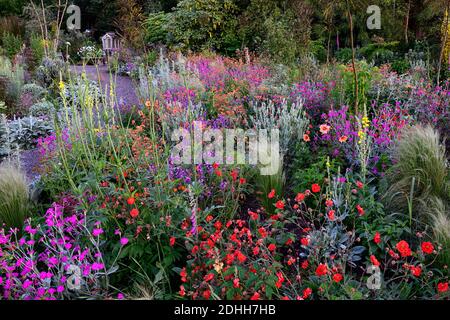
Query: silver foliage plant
(290, 119)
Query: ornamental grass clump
(419, 178)
(440, 217)
(14, 197)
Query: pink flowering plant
(60, 257)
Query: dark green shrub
(401, 66)
(11, 44)
(344, 55)
(156, 27)
(37, 50)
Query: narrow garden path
(126, 96)
(125, 89)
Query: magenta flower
(123, 241)
(97, 232)
(97, 266)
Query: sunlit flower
(321, 270)
(403, 248)
(377, 238)
(427, 247)
(442, 287)
(337, 277)
(134, 213)
(306, 138)
(324, 128)
(374, 260)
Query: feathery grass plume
(419, 159)
(14, 197)
(440, 217)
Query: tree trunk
(407, 21)
(444, 42)
(355, 76)
(328, 46)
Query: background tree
(130, 22)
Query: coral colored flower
(194, 250)
(315, 188)
(182, 291)
(337, 277)
(218, 225)
(321, 270)
(403, 248)
(343, 139)
(359, 184)
(306, 138)
(306, 293)
(207, 294)
(329, 203)
(183, 275)
(241, 257)
(218, 173)
(131, 201)
(134, 213)
(299, 197)
(324, 128)
(242, 181)
(271, 194)
(374, 260)
(377, 238)
(262, 232)
(234, 174)
(416, 271)
(280, 280)
(253, 215)
(209, 277)
(442, 287)
(172, 241)
(279, 204)
(272, 247)
(305, 264)
(255, 296)
(229, 258)
(331, 215)
(123, 241)
(393, 254)
(427, 247)
(236, 283)
(291, 261)
(304, 241)
(360, 210)
(255, 250)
